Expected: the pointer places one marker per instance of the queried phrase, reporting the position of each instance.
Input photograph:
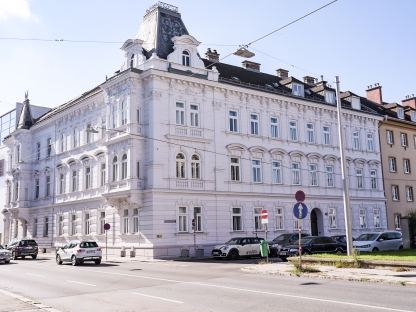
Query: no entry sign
(264, 216)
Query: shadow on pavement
(87, 264)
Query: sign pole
(300, 246)
(265, 235)
(106, 245)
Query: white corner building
(178, 153)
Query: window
(395, 193)
(102, 174)
(274, 127)
(400, 112)
(138, 169)
(195, 167)
(62, 141)
(233, 121)
(101, 222)
(16, 190)
(103, 127)
(310, 133)
(180, 166)
(123, 108)
(297, 89)
(409, 193)
(326, 135)
(197, 219)
(186, 59)
(38, 151)
(73, 224)
(377, 223)
(135, 220)
(49, 150)
(413, 116)
(76, 138)
(237, 219)
(397, 221)
(293, 131)
(356, 140)
(48, 186)
(279, 219)
(9, 192)
(330, 97)
(74, 180)
(277, 172)
(87, 224)
(115, 168)
(254, 124)
(183, 220)
(60, 225)
(257, 219)
(194, 115)
(45, 227)
(370, 142)
(180, 113)
(403, 139)
(363, 221)
(37, 188)
(1, 167)
(61, 183)
(235, 169)
(389, 137)
(313, 175)
(392, 164)
(114, 115)
(124, 167)
(35, 227)
(256, 169)
(132, 60)
(332, 218)
(88, 133)
(373, 179)
(330, 176)
(125, 225)
(88, 181)
(18, 153)
(406, 166)
(360, 181)
(295, 173)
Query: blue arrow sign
(300, 210)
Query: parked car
(378, 241)
(22, 248)
(5, 255)
(78, 252)
(310, 245)
(283, 240)
(238, 247)
(341, 238)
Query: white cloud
(10, 9)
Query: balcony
(189, 184)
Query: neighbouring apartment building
(176, 151)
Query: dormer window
(186, 58)
(413, 116)
(132, 60)
(297, 89)
(330, 97)
(400, 113)
(356, 103)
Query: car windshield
(88, 245)
(367, 237)
(281, 238)
(28, 243)
(233, 241)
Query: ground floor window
(183, 220)
(237, 219)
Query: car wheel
(97, 262)
(58, 259)
(401, 247)
(6, 261)
(233, 254)
(34, 257)
(14, 256)
(74, 261)
(284, 259)
(375, 249)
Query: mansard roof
(25, 120)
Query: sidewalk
(16, 303)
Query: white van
(379, 241)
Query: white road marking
(81, 283)
(348, 303)
(160, 298)
(35, 275)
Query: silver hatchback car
(379, 241)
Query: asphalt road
(191, 286)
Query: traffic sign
(264, 216)
(300, 210)
(300, 196)
(107, 226)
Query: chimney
(282, 73)
(309, 80)
(409, 101)
(212, 56)
(374, 93)
(251, 66)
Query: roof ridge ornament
(27, 95)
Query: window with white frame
(48, 186)
(360, 180)
(35, 227)
(73, 224)
(114, 114)
(392, 164)
(183, 220)
(123, 109)
(406, 166)
(400, 112)
(195, 167)
(330, 182)
(373, 179)
(186, 58)
(18, 153)
(87, 224)
(38, 151)
(332, 218)
(413, 116)
(363, 219)
(180, 113)
(74, 178)
(233, 121)
(103, 127)
(124, 167)
(61, 183)
(49, 147)
(395, 193)
(295, 173)
(62, 143)
(237, 219)
(257, 219)
(115, 168)
(256, 170)
(409, 193)
(235, 169)
(274, 127)
(194, 115)
(101, 223)
(138, 169)
(75, 138)
(254, 124)
(377, 222)
(37, 188)
(310, 132)
(326, 132)
(88, 180)
(389, 137)
(293, 130)
(403, 139)
(135, 220)
(45, 226)
(330, 97)
(102, 174)
(16, 190)
(370, 142)
(180, 166)
(313, 174)
(88, 133)
(356, 140)
(397, 221)
(126, 221)
(297, 89)
(279, 218)
(277, 172)
(197, 221)
(60, 225)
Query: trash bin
(132, 253)
(123, 252)
(264, 248)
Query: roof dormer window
(413, 116)
(186, 58)
(132, 60)
(330, 97)
(356, 103)
(400, 112)
(297, 89)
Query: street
(190, 286)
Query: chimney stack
(309, 80)
(251, 66)
(409, 101)
(374, 93)
(282, 73)
(212, 56)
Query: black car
(282, 240)
(22, 248)
(312, 244)
(341, 238)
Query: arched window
(186, 58)
(124, 167)
(195, 167)
(132, 60)
(115, 168)
(180, 166)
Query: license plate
(91, 251)
(216, 253)
(283, 253)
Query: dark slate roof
(25, 120)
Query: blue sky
(363, 42)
